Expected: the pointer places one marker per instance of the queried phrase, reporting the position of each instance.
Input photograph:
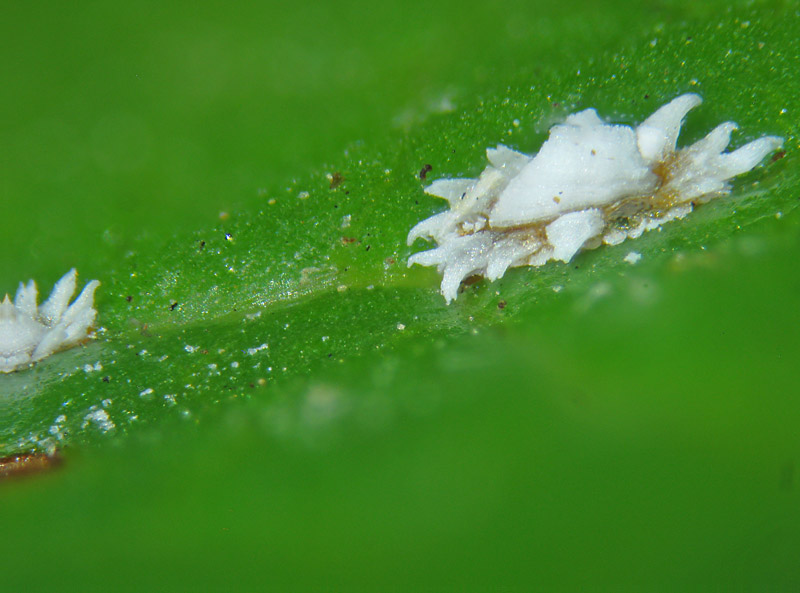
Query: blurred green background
(608, 428)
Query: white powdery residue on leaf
(29, 333)
(256, 349)
(88, 368)
(590, 183)
(99, 418)
(56, 429)
(633, 257)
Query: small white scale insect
(29, 333)
(590, 183)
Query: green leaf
(279, 394)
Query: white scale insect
(590, 183)
(29, 333)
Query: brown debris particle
(27, 463)
(425, 170)
(336, 180)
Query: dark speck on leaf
(202, 244)
(173, 305)
(778, 155)
(129, 298)
(106, 379)
(425, 170)
(501, 305)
